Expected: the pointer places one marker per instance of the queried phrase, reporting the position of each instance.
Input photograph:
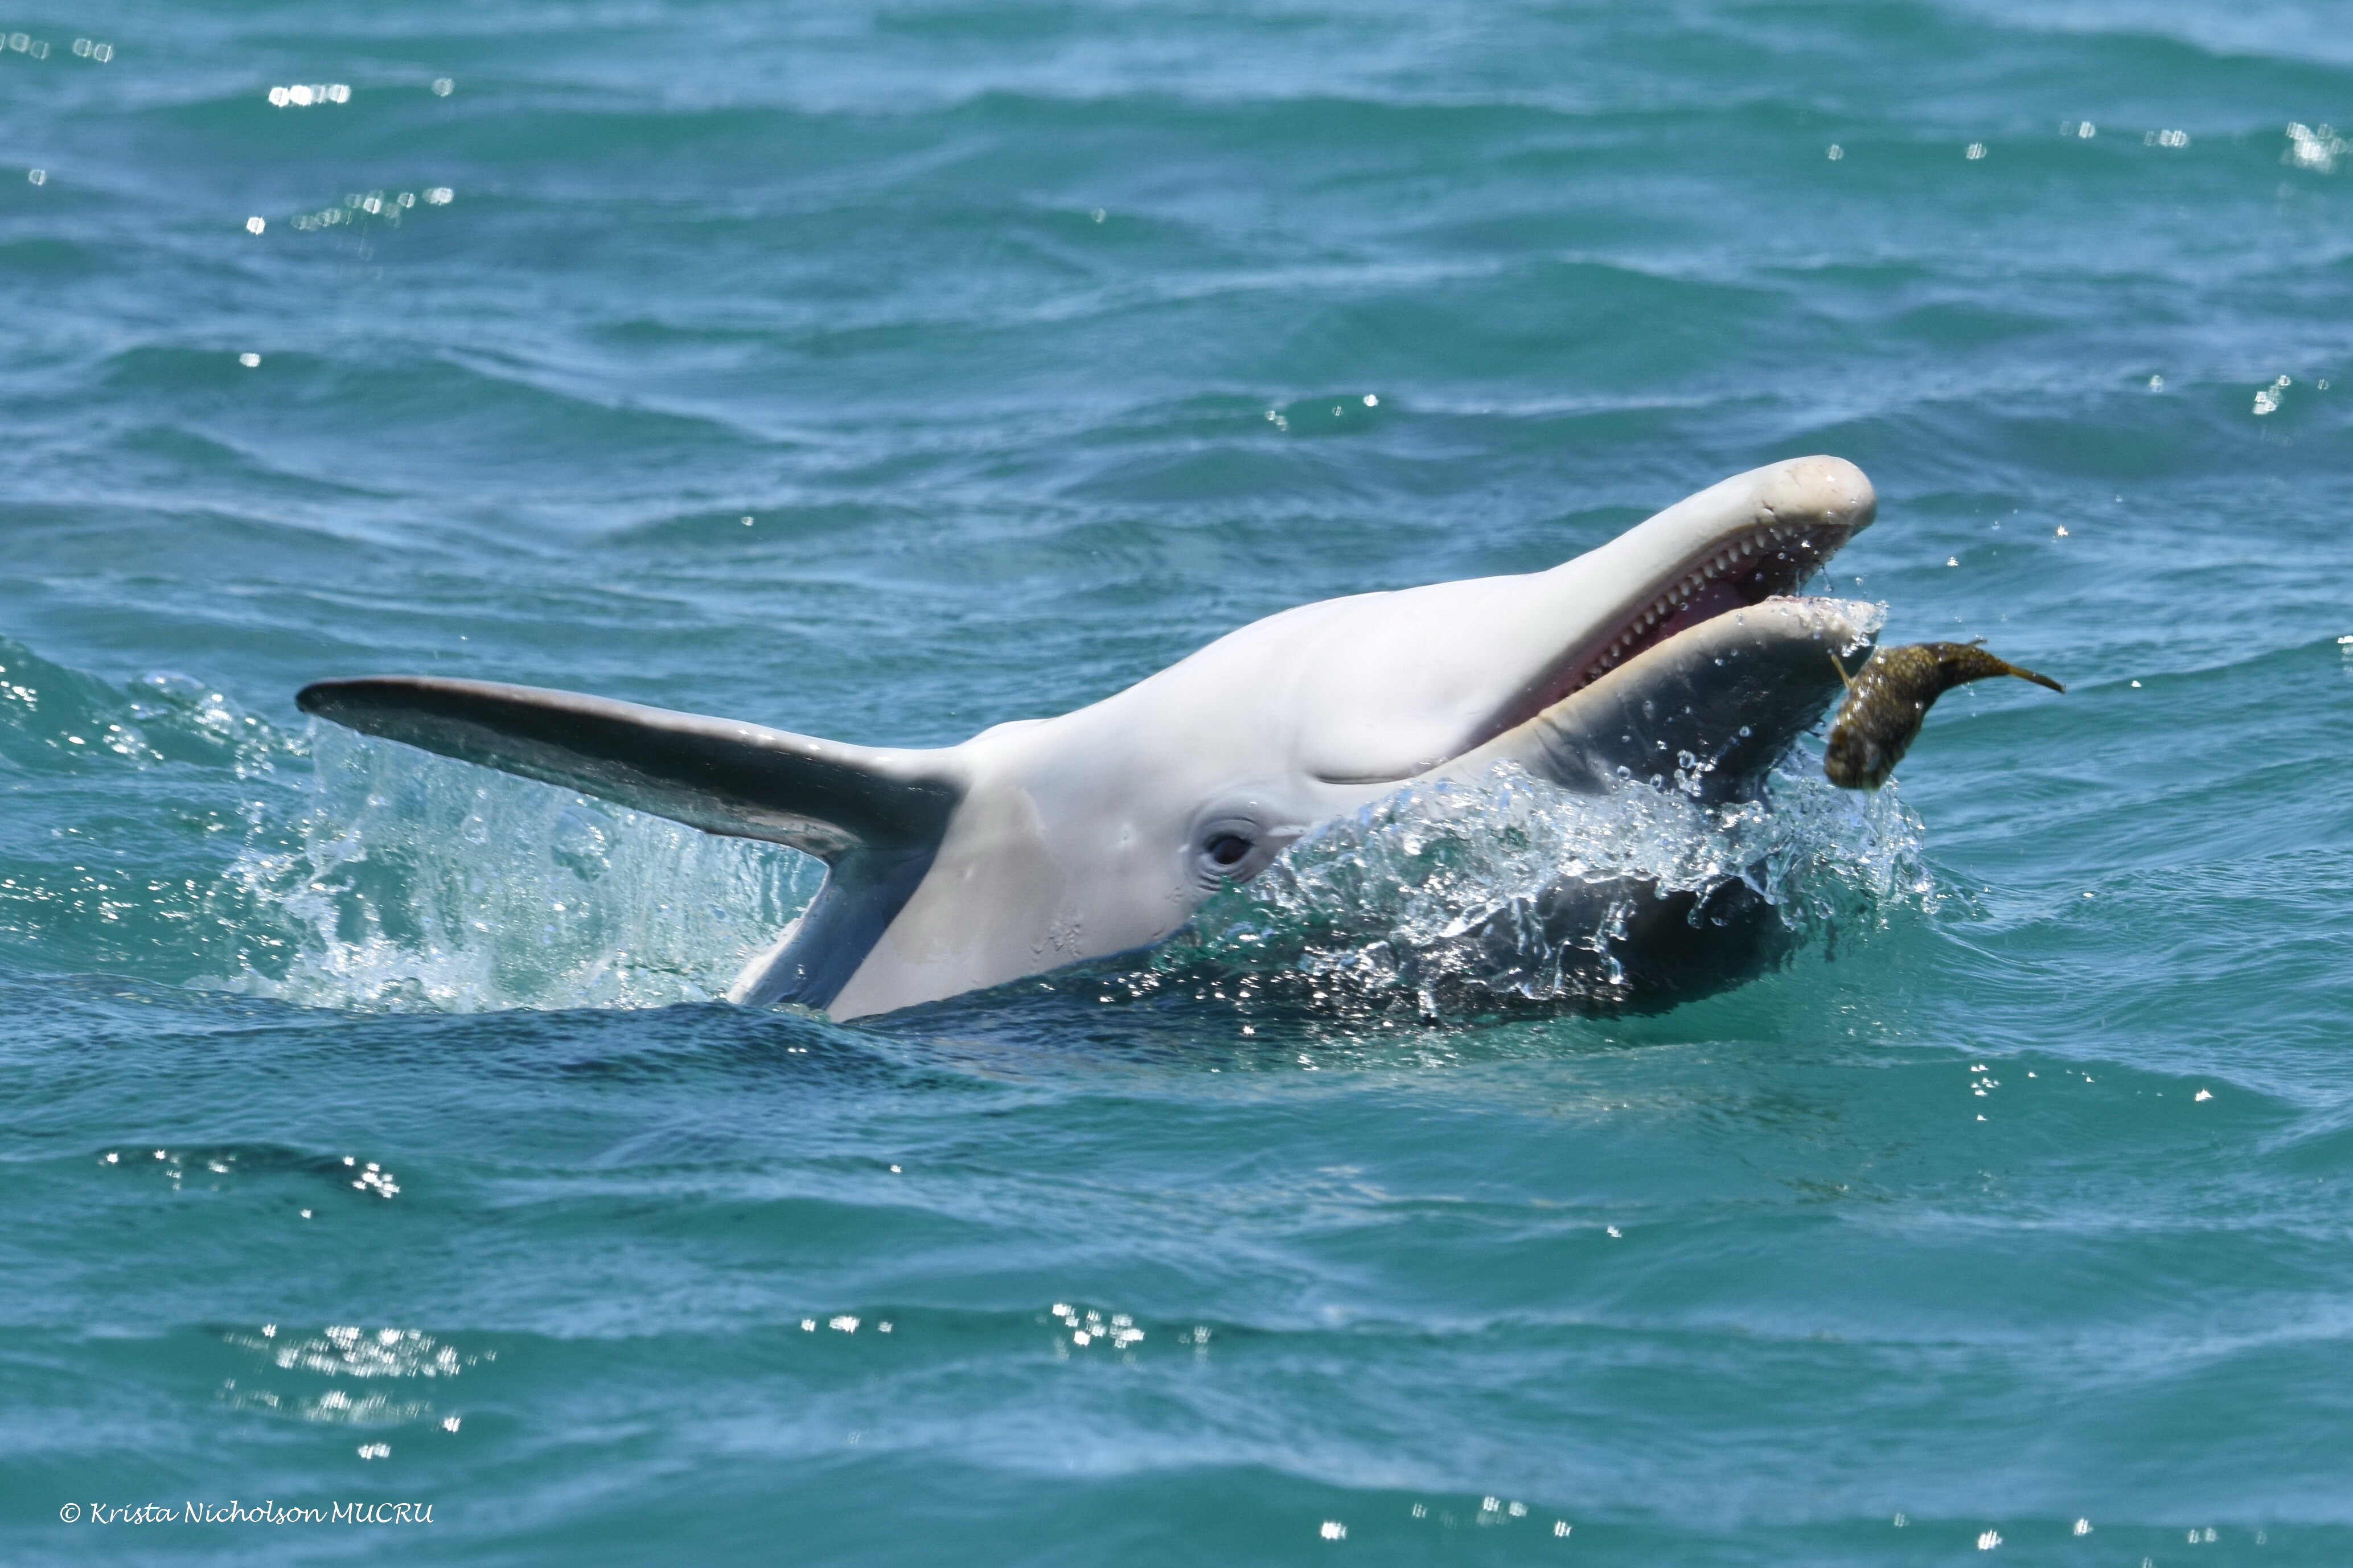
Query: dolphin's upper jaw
(1769, 561)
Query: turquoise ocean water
(368, 1133)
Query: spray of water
(1459, 899)
(411, 883)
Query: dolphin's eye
(1228, 848)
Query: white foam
(412, 883)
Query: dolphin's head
(1101, 830)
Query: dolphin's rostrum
(1042, 843)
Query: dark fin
(743, 780)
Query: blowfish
(1886, 703)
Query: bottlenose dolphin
(1041, 843)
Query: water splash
(317, 866)
(417, 884)
(1458, 898)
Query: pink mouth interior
(1769, 559)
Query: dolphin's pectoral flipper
(1731, 696)
(743, 780)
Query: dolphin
(1041, 843)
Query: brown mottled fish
(1886, 703)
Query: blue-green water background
(2010, 1202)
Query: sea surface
(371, 1133)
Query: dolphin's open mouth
(1767, 561)
(1747, 543)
